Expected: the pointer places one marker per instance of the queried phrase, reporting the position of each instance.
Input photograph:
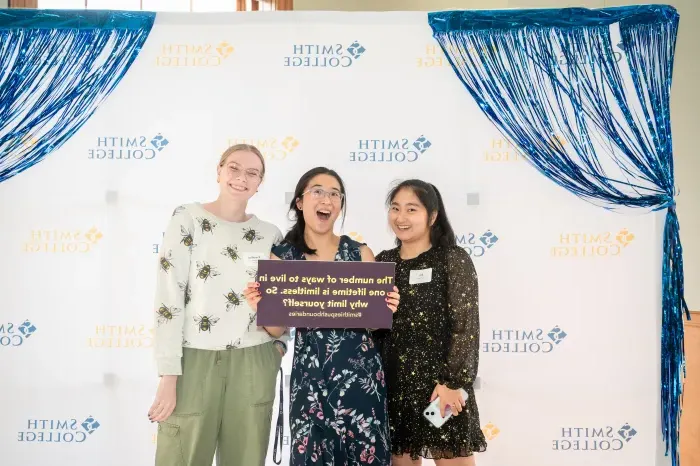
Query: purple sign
(325, 294)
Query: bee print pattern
(205, 323)
(178, 209)
(233, 300)
(166, 314)
(166, 261)
(232, 345)
(185, 287)
(249, 234)
(231, 252)
(206, 225)
(187, 238)
(185, 343)
(204, 271)
(251, 272)
(251, 321)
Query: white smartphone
(432, 412)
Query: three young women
(339, 408)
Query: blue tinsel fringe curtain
(554, 75)
(56, 68)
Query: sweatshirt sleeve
(173, 292)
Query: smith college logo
(588, 59)
(524, 340)
(390, 150)
(63, 241)
(324, 55)
(476, 246)
(121, 336)
(355, 236)
(592, 244)
(272, 148)
(128, 148)
(434, 57)
(12, 335)
(502, 150)
(58, 430)
(194, 55)
(594, 438)
(490, 431)
(155, 248)
(24, 142)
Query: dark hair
(295, 235)
(441, 232)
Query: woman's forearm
(275, 331)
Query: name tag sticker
(251, 258)
(420, 276)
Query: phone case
(432, 412)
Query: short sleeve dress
(434, 338)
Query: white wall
(685, 100)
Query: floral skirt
(338, 413)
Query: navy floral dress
(338, 412)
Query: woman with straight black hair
(433, 348)
(338, 413)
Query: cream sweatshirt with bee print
(205, 264)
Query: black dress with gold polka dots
(434, 339)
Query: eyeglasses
(251, 173)
(320, 193)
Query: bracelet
(281, 345)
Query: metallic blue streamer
(546, 75)
(56, 68)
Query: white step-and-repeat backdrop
(570, 293)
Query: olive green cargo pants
(224, 405)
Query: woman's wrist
(281, 345)
(452, 386)
(169, 378)
(447, 383)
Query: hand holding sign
(252, 295)
(392, 299)
(325, 294)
